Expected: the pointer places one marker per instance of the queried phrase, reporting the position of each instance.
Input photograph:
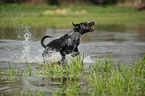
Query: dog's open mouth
(91, 27)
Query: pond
(23, 43)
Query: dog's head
(84, 27)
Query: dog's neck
(74, 32)
(77, 30)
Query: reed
(28, 67)
(103, 77)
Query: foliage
(103, 77)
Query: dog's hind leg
(45, 52)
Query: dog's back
(58, 43)
(68, 41)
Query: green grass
(102, 78)
(14, 15)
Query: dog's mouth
(91, 27)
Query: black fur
(69, 42)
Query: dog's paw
(74, 54)
(61, 62)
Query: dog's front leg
(75, 52)
(63, 58)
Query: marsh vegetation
(101, 78)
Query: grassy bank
(102, 78)
(61, 17)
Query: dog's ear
(75, 25)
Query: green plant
(103, 77)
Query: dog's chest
(73, 39)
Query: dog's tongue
(92, 28)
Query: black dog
(69, 42)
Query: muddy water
(16, 44)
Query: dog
(69, 42)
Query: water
(18, 44)
(124, 45)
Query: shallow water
(15, 45)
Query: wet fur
(69, 42)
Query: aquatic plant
(103, 77)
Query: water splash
(54, 57)
(30, 53)
(88, 59)
(26, 49)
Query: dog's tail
(42, 40)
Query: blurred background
(35, 12)
(58, 11)
(139, 3)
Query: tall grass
(101, 78)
